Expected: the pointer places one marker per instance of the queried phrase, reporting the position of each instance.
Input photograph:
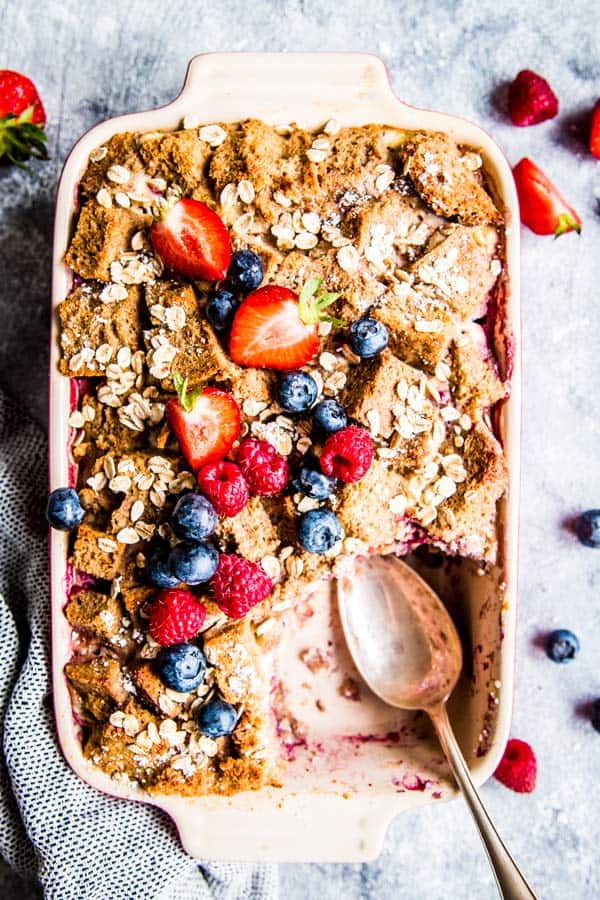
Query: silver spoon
(406, 648)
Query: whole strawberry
(265, 470)
(531, 99)
(518, 767)
(176, 616)
(239, 584)
(22, 119)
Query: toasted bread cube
(121, 150)
(94, 612)
(99, 682)
(251, 152)
(251, 533)
(98, 553)
(152, 690)
(367, 509)
(180, 158)
(475, 383)
(101, 237)
(420, 325)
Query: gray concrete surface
(92, 61)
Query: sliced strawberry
(543, 209)
(191, 239)
(595, 131)
(206, 423)
(275, 329)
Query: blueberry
(319, 530)
(181, 667)
(221, 309)
(587, 527)
(245, 272)
(329, 416)
(194, 517)
(217, 718)
(595, 714)
(157, 568)
(562, 645)
(297, 392)
(63, 510)
(193, 562)
(314, 484)
(368, 337)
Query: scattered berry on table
(181, 667)
(562, 645)
(367, 337)
(531, 99)
(63, 510)
(193, 562)
(329, 416)
(518, 767)
(216, 718)
(157, 568)
(543, 209)
(22, 119)
(318, 530)
(194, 517)
(225, 486)
(347, 454)
(191, 239)
(205, 421)
(176, 616)
(595, 131)
(297, 391)
(220, 310)
(587, 527)
(239, 584)
(265, 470)
(245, 272)
(595, 714)
(314, 484)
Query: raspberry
(518, 767)
(265, 470)
(239, 584)
(531, 99)
(175, 617)
(347, 454)
(225, 486)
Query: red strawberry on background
(531, 99)
(595, 131)
(543, 209)
(191, 239)
(22, 119)
(206, 422)
(518, 767)
(274, 328)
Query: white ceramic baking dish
(368, 763)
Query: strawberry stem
(565, 223)
(187, 400)
(312, 305)
(20, 139)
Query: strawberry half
(191, 239)
(22, 119)
(543, 209)
(274, 328)
(531, 99)
(206, 422)
(595, 131)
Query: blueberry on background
(193, 562)
(314, 484)
(562, 645)
(194, 517)
(157, 568)
(587, 527)
(220, 309)
(216, 718)
(63, 510)
(595, 714)
(318, 530)
(245, 272)
(329, 416)
(367, 337)
(181, 667)
(297, 391)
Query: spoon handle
(511, 883)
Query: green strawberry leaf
(187, 400)
(20, 139)
(312, 305)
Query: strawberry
(542, 207)
(595, 131)
(275, 329)
(206, 422)
(531, 99)
(22, 119)
(191, 239)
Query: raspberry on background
(518, 767)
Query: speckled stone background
(92, 61)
